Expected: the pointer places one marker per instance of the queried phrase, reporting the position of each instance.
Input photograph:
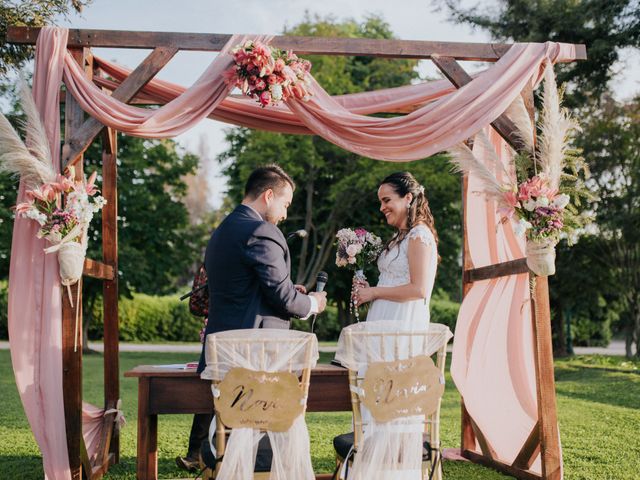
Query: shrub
(444, 310)
(146, 318)
(327, 326)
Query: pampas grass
(518, 114)
(32, 162)
(555, 126)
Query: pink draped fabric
(92, 422)
(35, 311)
(431, 128)
(493, 359)
(446, 117)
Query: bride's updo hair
(418, 212)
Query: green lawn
(598, 400)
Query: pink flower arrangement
(357, 247)
(44, 205)
(539, 208)
(268, 74)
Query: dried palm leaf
(464, 161)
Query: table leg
(147, 435)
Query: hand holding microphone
(320, 295)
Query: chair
(260, 381)
(395, 440)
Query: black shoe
(187, 463)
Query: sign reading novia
(402, 388)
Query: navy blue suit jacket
(248, 269)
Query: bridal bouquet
(268, 74)
(543, 188)
(357, 248)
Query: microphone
(298, 233)
(321, 282)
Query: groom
(248, 268)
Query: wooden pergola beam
(452, 70)
(214, 42)
(83, 136)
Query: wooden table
(164, 390)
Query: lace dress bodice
(393, 265)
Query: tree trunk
(87, 316)
(558, 331)
(308, 226)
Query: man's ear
(268, 196)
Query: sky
(408, 19)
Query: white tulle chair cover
(267, 350)
(392, 449)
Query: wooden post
(468, 439)
(110, 287)
(545, 383)
(72, 337)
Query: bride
(409, 261)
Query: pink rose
(272, 79)
(265, 98)
(260, 85)
(279, 65)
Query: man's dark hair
(264, 178)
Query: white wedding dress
(394, 270)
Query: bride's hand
(360, 283)
(362, 295)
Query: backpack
(199, 299)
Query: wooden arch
(81, 131)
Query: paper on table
(183, 366)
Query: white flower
(34, 214)
(521, 227)
(530, 205)
(276, 92)
(352, 260)
(54, 237)
(542, 202)
(561, 200)
(354, 249)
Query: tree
(605, 27)
(31, 13)
(608, 141)
(612, 148)
(336, 188)
(157, 245)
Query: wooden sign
(260, 400)
(402, 388)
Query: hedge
(148, 318)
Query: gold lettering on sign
(264, 400)
(402, 388)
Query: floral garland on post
(64, 226)
(268, 74)
(544, 188)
